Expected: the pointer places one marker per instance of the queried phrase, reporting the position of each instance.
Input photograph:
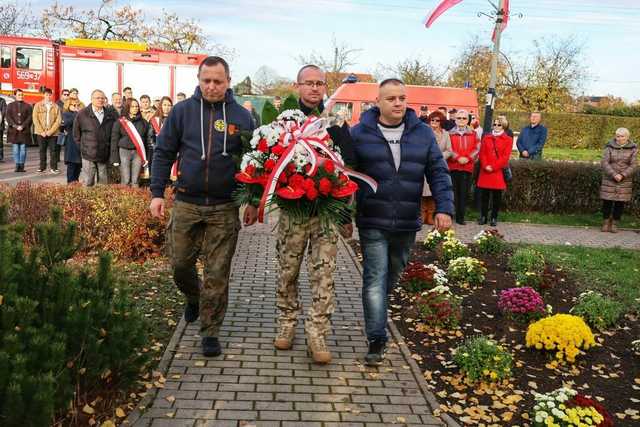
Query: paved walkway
(552, 234)
(8, 176)
(253, 384)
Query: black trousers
(495, 196)
(50, 142)
(73, 172)
(609, 207)
(461, 181)
(2, 139)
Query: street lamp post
(491, 91)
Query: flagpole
(491, 90)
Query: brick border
(415, 369)
(163, 367)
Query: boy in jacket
(399, 151)
(205, 131)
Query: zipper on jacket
(206, 173)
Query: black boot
(493, 222)
(482, 220)
(17, 167)
(211, 347)
(375, 355)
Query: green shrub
(597, 310)
(490, 242)
(575, 130)
(528, 265)
(560, 187)
(450, 249)
(65, 336)
(466, 270)
(269, 113)
(480, 358)
(290, 103)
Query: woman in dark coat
(619, 163)
(72, 157)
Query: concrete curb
(163, 367)
(415, 369)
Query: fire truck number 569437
(28, 75)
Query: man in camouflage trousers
(294, 238)
(205, 131)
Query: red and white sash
(157, 126)
(135, 137)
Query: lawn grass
(580, 219)
(576, 154)
(610, 271)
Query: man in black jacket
(205, 131)
(92, 132)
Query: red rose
(269, 165)
(291, 168)
(343, 178)
(250, 170)
(329, 166)
(308, 184)
(324, 186)
(312, 193)
(283, 179)
(277, 150)
(307, 169)
(262, 146)
(296, 180)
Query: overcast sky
(275, 32)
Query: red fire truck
(31, 64)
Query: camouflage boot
(284, 339)
(317, 348)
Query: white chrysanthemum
(295, 115)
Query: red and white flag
(505, 20)
(439, 10)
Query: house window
(29, 58)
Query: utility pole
(491, 90)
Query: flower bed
(608, 373)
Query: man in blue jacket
(532, 138)
(399, 151)
(205, 131)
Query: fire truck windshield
(29, 58)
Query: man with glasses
(92, 132)
(532, 138)
(399, 151)
(294, 238)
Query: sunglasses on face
(462, 118)
(497, 125)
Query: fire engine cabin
(356, 98)
(32, 64)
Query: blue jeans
(20, 153)
(385, 255)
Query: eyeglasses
(497, 125)
(318, 83)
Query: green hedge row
(560, 187)
(573, 130)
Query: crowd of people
(121, 133)
(424, 165)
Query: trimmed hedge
(573, 130)
(560, 187)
